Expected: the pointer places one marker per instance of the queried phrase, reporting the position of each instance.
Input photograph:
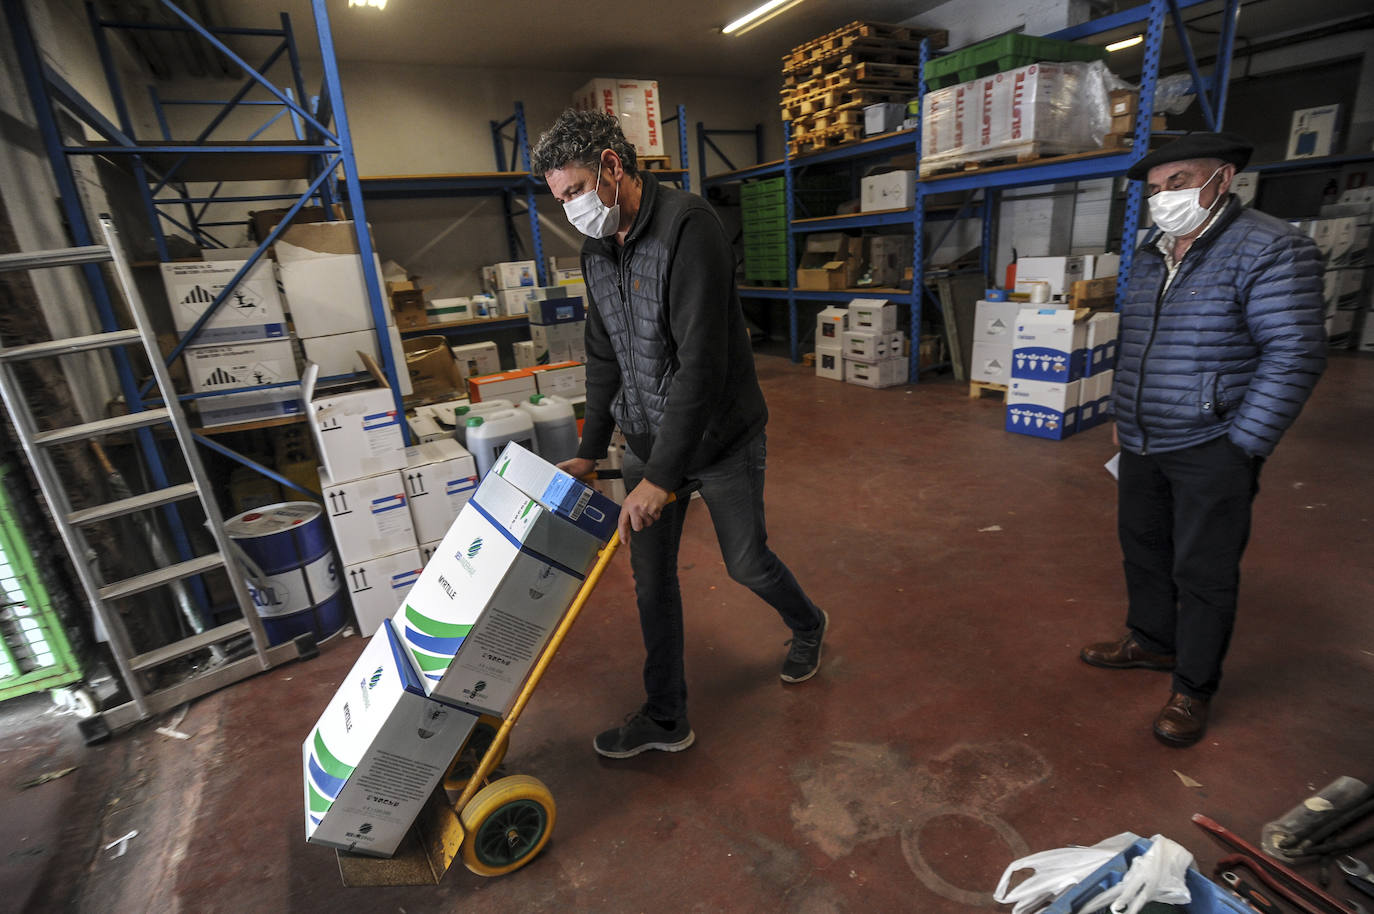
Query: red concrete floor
(952, 727)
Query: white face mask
(590, 216)
(1177, 212)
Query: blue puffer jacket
(1233, 347)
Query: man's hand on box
(577, 467)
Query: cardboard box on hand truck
(501, 579)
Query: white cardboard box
(1049, 345)
(513, 275)
(501, 579)
(884, 117)
(358, 434)
(866, 345)
(475, 359)
(377, 752)
(322, 276)
(1060, 272)
(888, 372)
(337, 354)
(1043, 409)
(831, 323)
(253, 311)
(369, 516)
(447, 310)
(231, 409)
(440, 477)
(872, 314)
(514, 386)
(235, 365)
(890, 190)
(562, 379)
(427, 551)
(1100, 266)
(995, 321)
(1100, 342)
(377, 586)
(830, 362)
(633, 102)
(1313, 131)
(991, 362)
(524, 354)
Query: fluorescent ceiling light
(759, 16)
(1125, 43)
(379, 4)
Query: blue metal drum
(300, 590)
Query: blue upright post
(682, 147)
(1221, 74)
(1149, 77)
(363, 232)
(787, 196)
(522, 140)
(918, 230)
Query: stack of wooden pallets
(827, 81)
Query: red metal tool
(1259, 863)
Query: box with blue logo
(369, 516)
(377, 586)
(357, 434)
(501, 579)
(1050, 344)
(1043, 409)
(377, 752)
(1100, 345)
(1095, 399)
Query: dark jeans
(733, 492)
(1184, 519)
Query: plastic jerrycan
(555, 427)
(488, 435)
(462, 414)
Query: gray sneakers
(640, 733)
(804, 653)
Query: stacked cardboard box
(1343, 236)
(873, 347)
(633, 102)
(831, 325)
(1062, 365)
(558, 318)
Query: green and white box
(377, 752)
(500, 581)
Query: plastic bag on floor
(1156, 875)
(1056, 871)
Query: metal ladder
(69, 522)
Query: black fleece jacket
(668, 352)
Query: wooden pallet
(976, 389)
(1027, 153)
(849, 97)
(835, 117)
(867, 34)
(655, 163)
(826, 139)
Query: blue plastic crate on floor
(1208, 897)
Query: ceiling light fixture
(759, 16)
(379, 4)
(1125, 43)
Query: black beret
(1229, 147)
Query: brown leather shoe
(1182, 722)
(1124, 655)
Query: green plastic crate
(1006, 52)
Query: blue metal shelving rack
(165, 167)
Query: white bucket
(555, 427)
(485, 408)
(487, 436)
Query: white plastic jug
(485, 408)
(487, 436)
(555, 427)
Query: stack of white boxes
(322, 278)
(831, 325)
(459, 644)
(873, 346)
(1343, 236)
(993, 328)
(383, 500)
(1099, 369)
(245, 343)
(558, 322)
(505, 282)
(1049, 350)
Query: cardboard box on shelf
(235, 409)
(830, 362)
(558, 309)
(831, 261)
(477, 358)
(377, 752)
(433, 371)
(357, 434)
(507, 385)
(1060, 272)
(449, 310)
(991, 362)
(511, 275)
(562, 379)
(525, 354)
(264, 220)
(995, 321)
(1100, 266)
(883, 117)
(872, 314)
(1313, 132)
(230, 366)
(1050, 344)
(889, 190)
(889, 259)
(322, 277)
(831, 324)
(514, 302)
(342, 353)
(558, 342)
(1043, 409)
(501, 579)
(252, 311)
(634, 103)
(377, 586)
(369, 516)
(888, 372)
(440, 477)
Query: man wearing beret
(1222, 340)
